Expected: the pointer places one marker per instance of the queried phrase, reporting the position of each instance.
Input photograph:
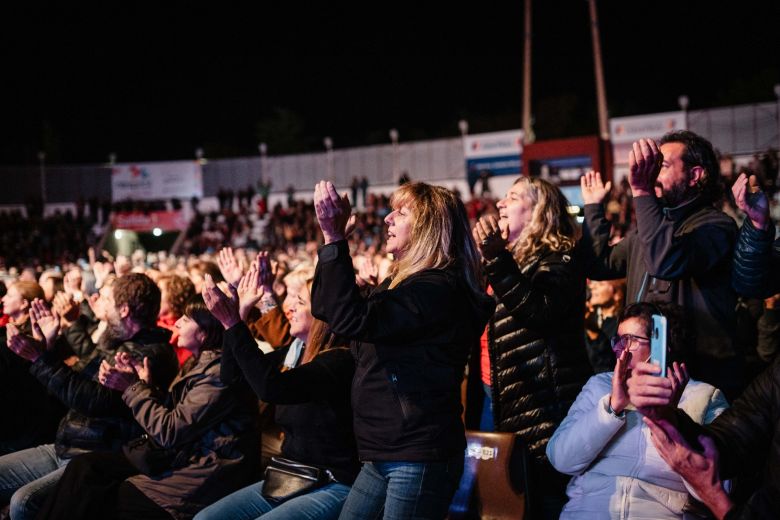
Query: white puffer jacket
(617, 471)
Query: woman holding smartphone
(603, 442)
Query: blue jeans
(249, 503)
(486, 420)
(403, 490)
(27, 477)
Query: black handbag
(285, 479)
(148, 457)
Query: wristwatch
(613, 413)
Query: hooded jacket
(410, 344)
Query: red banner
(137, 221)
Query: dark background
(154, 81)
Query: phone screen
(658, 343)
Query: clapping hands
(334, 212)
(124, 373)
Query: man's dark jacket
(748, 439)
(756, 262)
(98, 419)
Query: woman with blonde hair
(410, 337)
(535, 359)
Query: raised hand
(618, 399)
(101, 270)
(751, 200)
(644, 165)
(594, 191)
(45, 324)
(490, 239)
(22, 345)
(66, 307)
(266, 271)
(225, 309)
(229, 267)
(333, 211)
(249, 292)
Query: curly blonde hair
(551, 229)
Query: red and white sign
(137, 221)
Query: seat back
(493, 483)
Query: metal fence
(737, 130)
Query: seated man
(97, 420)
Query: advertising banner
(626, 130)
(137, 221)
(162, 180)
(498, 153)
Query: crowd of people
(331, 367)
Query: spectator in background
(51, 282)
(175, 292)
(601, 311)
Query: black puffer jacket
(756, 270)
(538, 359)
(98, 419)
(748, 439)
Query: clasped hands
(124, 373)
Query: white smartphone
(658, 343)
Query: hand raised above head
(228, 266)
(593, 189)
(750, 199)
(644, 165)
(224, 308)
(333, 211)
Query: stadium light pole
(328, 142)
(42, 163)
(263, 149)
(683, 101)
(777, 95)
(394, 140)
(111, 159)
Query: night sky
(153, 82)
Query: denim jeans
(486, 420)
(27, 477)
(249, 503)
(403, 490)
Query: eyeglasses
(626, 341)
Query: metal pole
(42, 162)
(601, 93)
(528, 133)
